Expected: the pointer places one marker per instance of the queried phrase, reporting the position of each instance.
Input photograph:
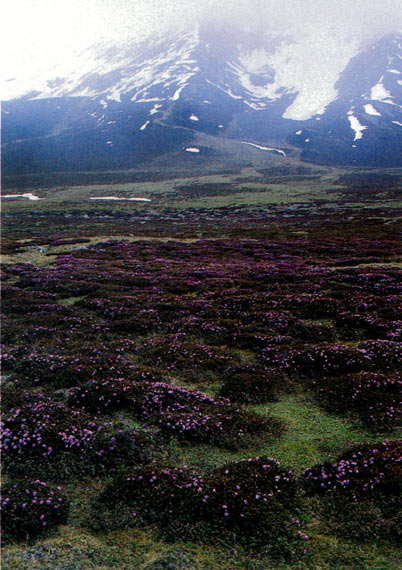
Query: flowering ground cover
(124, 355)
(30, 509)
(255, 498)
(364, 483)
(47, 438)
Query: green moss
(312, 435)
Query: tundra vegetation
(203, 381)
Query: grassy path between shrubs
(312, 435)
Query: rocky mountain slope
(188, 94)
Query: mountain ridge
(138, 101)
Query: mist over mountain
(185, 93)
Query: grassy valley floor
(150, 349)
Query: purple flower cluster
(30, 509)
(256, 497)
(56, 367)
(253, 384)
(375, 396)
(242, 488)
(194, 415)
(42, 428)
(177, 353)
(362, 472)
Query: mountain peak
(330, 101)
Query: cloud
(364, 19)
(49, 32)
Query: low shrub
(30, 509)
(45, 437)
(178, 352)
(70, 370)
(106, 395)
(194, 416)
(252, 384)
(327, 360)
(254, 501)
(150, 494)
(374, 396)
(187, 414)
(365, 471)
(242, 491)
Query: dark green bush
(253, 384)
(30, 509)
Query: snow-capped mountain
(122, 105)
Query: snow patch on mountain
(356, 126)
(370, 110)
(28, 195)
(309, 71)
(155, 109)
(379, 93)
(266, 148)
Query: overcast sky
(39, 32)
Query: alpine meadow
(201, 285)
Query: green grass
(311, 436)
(133, 549)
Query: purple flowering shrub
(383, 355)
(109, 394)
(353, 325)
(364, 472)
(150, 494)
(253, 384)
(374, 396)
(16, 300)
(187, 414)
(67, 370)
(243, 492)
(194, 416)
(361, 491)
(327, 359)
(29, 509)
(46, 437)
(179, 353)
(255, 500)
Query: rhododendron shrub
(253, 496)
(187, 414)
(253, 384)
(364, 472)
(46, 437)
(150, 494)
(361, 490)
(194, 416)
(255, 499)
(327, 359)
(374, 396)
(179, 353)
(30, 509)
(69, 370)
